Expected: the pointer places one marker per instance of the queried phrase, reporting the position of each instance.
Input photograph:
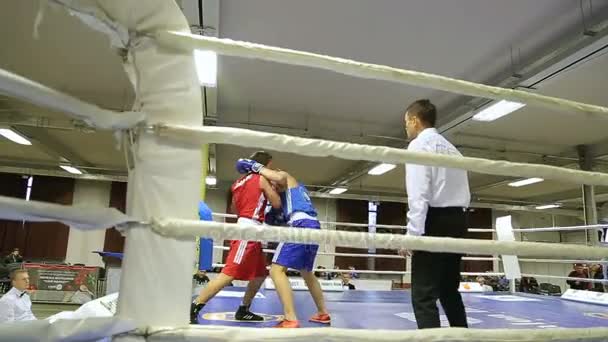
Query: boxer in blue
(299, 212)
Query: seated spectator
(502, 284)
(528, 285)
(353, 274)
(16, 305)
(336, 274)
(597, 273)
(346, 282)
(201, 277)
(491, 281)
(484, 285)
(320, 273)
(14, 257)
(580, 271)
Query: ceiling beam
(42, 164)
(599, 198)
(51, 146)
(474, 204)
(63, 174)
(464, 106)
(14, 118)
(598, 166)
(315, 194)
(539, 64)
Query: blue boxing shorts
(298, 256)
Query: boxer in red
(246, 260)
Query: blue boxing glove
(275, 217)
(248, 165)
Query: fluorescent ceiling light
(14, 136)
(497, 110)
(206, 67)
(210, 180)
(71, 169)
(337, 191)
(548, 206)
(525, 182)
(381, 169)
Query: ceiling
(478, 40)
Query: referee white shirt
(16, 306)
(430, 186)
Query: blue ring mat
(393, 310)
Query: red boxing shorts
(246, 260)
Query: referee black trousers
(437, 275)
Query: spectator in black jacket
(580, 271)
(14, 257)
(528, 285)
(597, 273)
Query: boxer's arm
(271, 195)
(279, 177)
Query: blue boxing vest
(297, 200)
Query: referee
(437, 200)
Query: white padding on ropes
(27, 90)
(97, 19)
(231, 334)
(78, 217)
(188, 42)
(167, 90)
(561, 229)
(187, 229)
(89, 329)
(326, 148)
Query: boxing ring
(391, 310)
(162, 134)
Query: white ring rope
(466, 258)
(184, 229)
(360, 255)
(363, 225)
(350, 151)
(481, 230)
(341, 271)
(563, 261)
(475, 230)
(559, 229)
(240, 334)
(333, 224)
(188, 42)
(22, 88)
(94, 218)
(78, 217)
(347, 271)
